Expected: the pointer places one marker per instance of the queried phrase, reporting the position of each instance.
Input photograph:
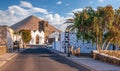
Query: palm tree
(100, 27)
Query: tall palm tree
(100, 27)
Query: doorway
(37, 39)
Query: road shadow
(45, 53)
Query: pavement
(7, 56)
(89, 63)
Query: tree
(100, 26)
(26, 36)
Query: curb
(83, 65)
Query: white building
(37, 37)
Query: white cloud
(8, 17)
(70, 14)
(25, 4)
(17, 10)
(15, 13)
(56, 19)
(35, 9)
(31, 8)
(79, 9)
(100, 0)
(59, 2)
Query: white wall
(56, 45)
(85, 48)
(40, 35)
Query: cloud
(31, 8)
(100, 0)
(70, 14)
(55, 19)
(15, 13)
(25, 4)
(79, 9)
(41, 10)
(59, 2)
(17, 10)
(8, 17)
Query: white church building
(37, 37)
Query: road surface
(40, 59)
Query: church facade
(37, 37)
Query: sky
(54, 11)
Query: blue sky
(54, 11)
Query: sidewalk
(89, 63)
(8, 56)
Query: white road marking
(2, 63)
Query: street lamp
(67, 38)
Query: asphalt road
(40, 59)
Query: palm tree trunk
(104, 43)
(108, 43)
(97, 44)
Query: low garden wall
(108, 56)
(3, 50)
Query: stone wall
(3, 39)
(3, 50)
(3, 35)
(106, 58)
(6, 39)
